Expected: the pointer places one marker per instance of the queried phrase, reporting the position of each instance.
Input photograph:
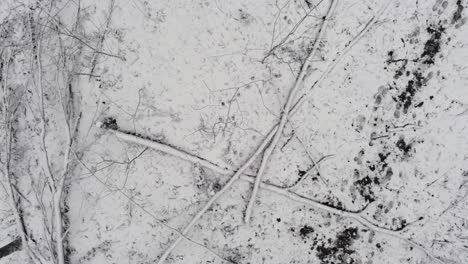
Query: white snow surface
(194, 77)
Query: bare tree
(58, 52)
(10, 102)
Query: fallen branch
(159, 221)
(285, 111)
(164, 148)
(358, 215)
(337, 59)
(226, 187)
(272, 132)
(46, 162)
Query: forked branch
(285, 112)
(358, 216)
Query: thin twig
(70, 33)
(101, 40)
(315, 164)
(290, 33)
(308, 172)
(338, 58)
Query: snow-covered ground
(371, 167)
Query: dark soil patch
(339, 252)
(345, 238)
(110, 123)
(306, 230)
(405, 98)
(432, 46)
(364, 187)
(403, 146)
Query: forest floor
(382, 133)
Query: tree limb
(284, 113)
